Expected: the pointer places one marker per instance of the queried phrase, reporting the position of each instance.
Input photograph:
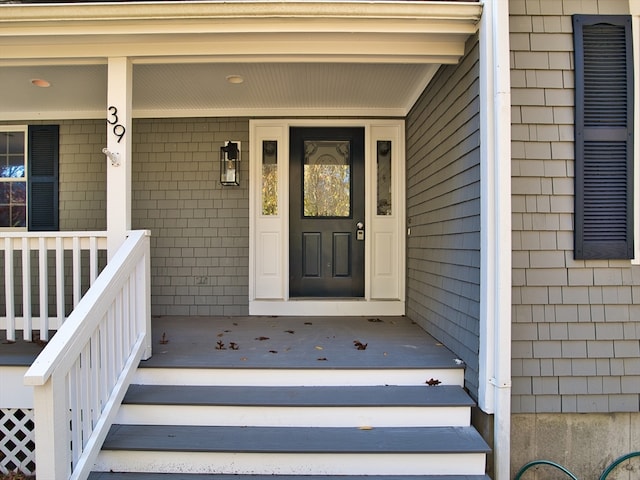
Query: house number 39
(118, 129)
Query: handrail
(29, 254)
(82, 374)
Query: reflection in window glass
(269, 177)
(13, 188)
(384, 177)
(327, 179)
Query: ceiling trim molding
(399, 112)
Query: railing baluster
(93, 259)
(9, 289)
(27, 327)
(77, 272)
(44, 289)
(60, 280)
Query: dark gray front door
(326, 249)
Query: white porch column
(495, 264)
(118, 152)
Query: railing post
(143, 287)
(50, 407)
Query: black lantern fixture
(230, 163)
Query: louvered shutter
(603, 137)
(43, 177)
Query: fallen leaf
(220, 345)
(164, 340)
(262, 338)
(359, 345)
(322, 359)
(365, 427)
(308, 323)
(318, 347)
(273, 351)
(289, 331)
(375, 320)
(234, 346)
(433, 382)
(220, 335)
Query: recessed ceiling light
(39, 82)
(235, 79)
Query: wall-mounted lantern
(230, 163)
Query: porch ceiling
(296, 58)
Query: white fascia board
(271, 31)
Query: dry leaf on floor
(289, 331)
(318, 347)
(262, 338)
(365, 427)
(273, 351)
(359, 345)
(164, 340)
(234, 346)
(220, 345)
(433, 382)
(322, 359)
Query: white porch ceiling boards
(298, 58)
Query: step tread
(206, 476)
(326, 396)
(295, 439)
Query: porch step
(329, 406)
(213, 476)
(318, 432)
(293, 450)
(278, 377)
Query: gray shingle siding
(580, 319)
(199, 229)
(443, 210)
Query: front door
(326, 223)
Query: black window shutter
(43, 177)
(603, 137)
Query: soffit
(321, 58)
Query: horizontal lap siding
(576, 324)
(443, 210)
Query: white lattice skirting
(17, 445)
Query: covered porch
(171, 101)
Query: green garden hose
(604, 475)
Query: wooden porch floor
(277, 342)
(295, 342)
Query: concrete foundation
(585, 444)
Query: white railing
(82, 374)
(39, 260)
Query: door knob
(360, 225)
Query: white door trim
(384, 238)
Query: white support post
(495, 283)
(118, 152)
(52, 432)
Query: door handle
(360, 225)
(360, 231)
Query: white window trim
(25, 130)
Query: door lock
(360, 231)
